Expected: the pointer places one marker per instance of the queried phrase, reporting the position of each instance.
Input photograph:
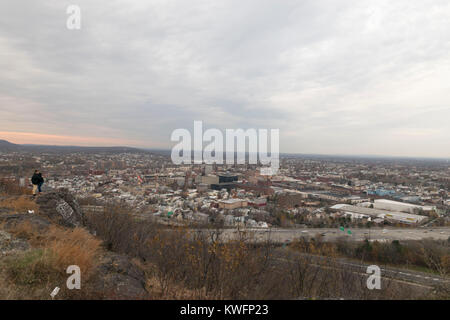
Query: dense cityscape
(308, 191)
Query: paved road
(387, 234)
(421, 279)
(416, 278)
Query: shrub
(73, 247)
(206, 266)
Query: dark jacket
(35, 179)
(41, 180)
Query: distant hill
(6, 146)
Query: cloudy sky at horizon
(336, 77)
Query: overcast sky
(336, 77)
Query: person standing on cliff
(35, 180)
(40, 182)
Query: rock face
(12, 219)
(60, 207)
(120, 278)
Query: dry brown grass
(23, 230)
(18, 204)
(33, 274)
(74, 247)
(13, 188)
(67, 246)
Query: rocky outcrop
(13, 219)
(60, 207)
(120, 278)
(116, 276)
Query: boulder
(61, 208)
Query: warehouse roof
(387, 214)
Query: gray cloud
(359, 77)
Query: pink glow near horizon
(51, 139)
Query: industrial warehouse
(381, 210)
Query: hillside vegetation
(121, 257)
